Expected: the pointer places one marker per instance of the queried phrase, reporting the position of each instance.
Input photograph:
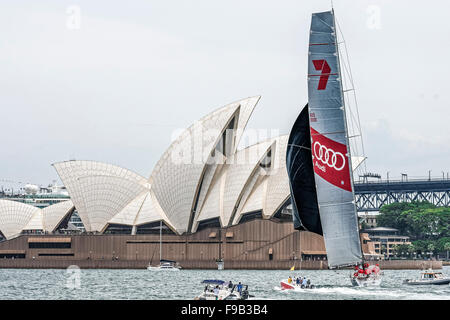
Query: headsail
(330, 147)
(301, 176)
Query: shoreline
(207, 265)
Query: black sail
(301, 176)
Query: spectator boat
(429, 277)
(221, 290)
(293, 284)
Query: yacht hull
(366, 282)
(427, 282)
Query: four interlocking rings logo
(328, 156)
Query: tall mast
(345, 124)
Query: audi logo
(328, 156)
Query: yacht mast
(346, 124)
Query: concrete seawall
(252, 265)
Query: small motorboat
(368, 276)
(292, 283)
(165, 265)
(221, 290)
(429, 277)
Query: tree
(398, 215)
(418, 220)
(403, 249)
(447, 248)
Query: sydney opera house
(211, 199)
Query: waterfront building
(384, 239)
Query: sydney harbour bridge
(372, 195)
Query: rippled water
(143, 284)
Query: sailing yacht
(164, 264)
(318, 159)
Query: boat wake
(365, 293)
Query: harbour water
(57, 284)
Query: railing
(404, 180)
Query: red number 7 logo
(322, 65)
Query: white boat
(319, 157)
(220, 290)
(429, 277)
(164, 265)
(292, 285)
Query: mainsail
(330, 145)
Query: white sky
(115, 89)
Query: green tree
(447, 248)
(418, 220)
(420, 246)
(397, 215)
(403, 249)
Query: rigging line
(352, 119)
(352, 90)
(349, 66)
(351, 80)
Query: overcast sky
(112, 80)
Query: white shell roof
(240, 169)
(254, 201)
(98, 190)
(212, 207)
(36, 222)
(176, 177)
(243, 186)
(141, 210)
(128, 214)
(278, 181)
(231, 185)
(53, 215)
(16, 217)
(152, 212)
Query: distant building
(384, 239)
